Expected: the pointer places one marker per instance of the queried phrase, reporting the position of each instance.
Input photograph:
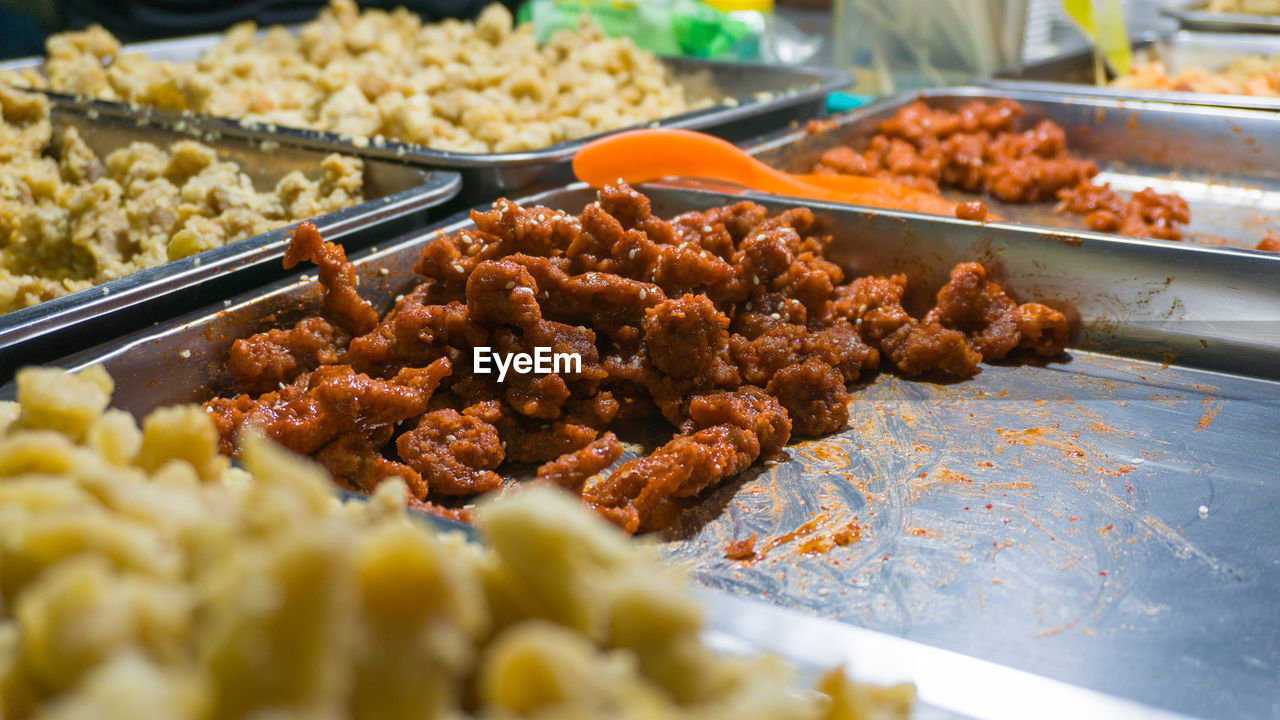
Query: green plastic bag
(666, 27)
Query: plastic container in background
(895, 45)
(715, 29)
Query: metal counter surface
(1045, 517)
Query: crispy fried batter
(729, 323)
(977, 149)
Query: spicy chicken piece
(354, 461)
(814, 395)
(747, 407)
(415, 333)
(455, 454)
(572, 469)
(500, 292)
(1150, 214)
(1044, 330)
(683, 467)
(874, 304)
(916, 348)
(632, 253)
(342, 304)
(328, 402)
(534, 230)
(265, 361)
(529, 441)
(684, 336)
(980, 309)
(610, 305)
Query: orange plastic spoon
(642, 155)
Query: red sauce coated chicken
(979, 149)
(730, 324)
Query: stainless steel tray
(756, 99)
(1196, 16)
(1220, 160)
(1073, 73)
(1092, 565)
(397, 194)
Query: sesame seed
(383, 271)
(1204, 511)
(643, 294)
(511, 284)
(747, 306)
(450, 438)
(457, 267)
(775, 316)
(185, 353)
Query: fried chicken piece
(814, 395)
(683, 467)
(1151, 214)
(979, 308)
(342, 304)
(572, 469)
(353, 461)
(500, 292)
(326, 403)
(1044, 330)
(747, 407)
(415, 333)
(684, 336)
(265, 361)
(533, 442)
(455, 454)
(875, 305)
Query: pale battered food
(70, 220)
(1257, 75)
(143, 577)
(468, 87)
(1246, 7)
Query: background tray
(1073, 73)
(1092, 565)
(1219, 159)
(397, 196)
(1196, 16)
(756, 99)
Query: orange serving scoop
(642, 155)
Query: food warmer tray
(1042, 517)
(1073, 73)
(757, 98)
(397, 194)
(1220, 160)
(1196, 16)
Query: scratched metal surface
(1097, 463)
(1219, 159)
(1044, 518)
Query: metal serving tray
(756, 99)
(1220, 160)
(398, 195)
(1073, 73)
(1091, 566)
(1196, 16)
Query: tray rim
(1013, 80)
(811, 84)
